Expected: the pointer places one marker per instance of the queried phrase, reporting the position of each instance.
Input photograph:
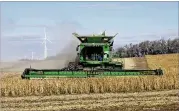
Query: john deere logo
(95, 73)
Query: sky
(22, 24)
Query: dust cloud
(68, 53)
(67, 44)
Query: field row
(143, 101)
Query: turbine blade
(49, 49)
(49, 40)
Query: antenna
(103, 33)
(45, 44)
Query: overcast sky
(22, 23)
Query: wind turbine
(25, 57)
(32, 57)
(45, 39)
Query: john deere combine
(94, 59)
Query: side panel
(106, 52)
(81, 57)
(58, 74)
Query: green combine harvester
(94, 59)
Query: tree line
(148, 48)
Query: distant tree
(149, 47)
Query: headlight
(82, 39)
(105, 39)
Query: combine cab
(94, 59)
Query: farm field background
(142, 101)
(15, 92)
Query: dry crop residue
(15, 86)
(85, 93)
(143, 101)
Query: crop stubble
(109, 100)
(142, 101)
(14, 86)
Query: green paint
(96, 44)
(83, 74)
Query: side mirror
(77, 48)
(111, 49)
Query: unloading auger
(94, 59)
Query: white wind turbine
(32, 56)
(45, 39)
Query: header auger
(94, 59)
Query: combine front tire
(72, 66)
(159, 72)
